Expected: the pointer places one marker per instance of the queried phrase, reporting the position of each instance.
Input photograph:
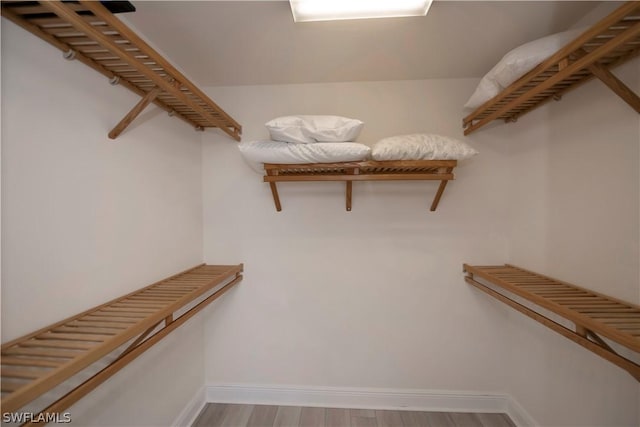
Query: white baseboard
(367, 398)
(191, 411)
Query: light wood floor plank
(262, 416)
(313, 417)
(337, 417)
(287, 416)
(389, 419)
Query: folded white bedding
(516, 63)
(258, 152)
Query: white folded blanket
(256, 153)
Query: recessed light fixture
(326, 10)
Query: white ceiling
(226, 43)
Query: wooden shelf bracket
(135, 111)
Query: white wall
(86, 219)
(369, 298)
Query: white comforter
(258, 152)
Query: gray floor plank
(312, 417)
(465, 419)
(337, 417)
(414, 419)
(237, 416)
(495, 420)
(231, 415)
(211, 415)
(287, 416)
(389, 419)
(367, 413)
(363, 422)
(437, 419)
(262, 416)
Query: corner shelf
(388, 170)
(593, 314)
(88, 32)
(609, 43)
(37, 362)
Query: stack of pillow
(331, 139)
(307, 139)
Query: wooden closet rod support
(436, 199)
(611, 81)
(135, 111)
(616, 85)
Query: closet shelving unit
(89, 32)
(590, 319)
(609, 43)
(389, 170)
(123, 328)
(604, 325)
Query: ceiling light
(325, 10)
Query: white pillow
(516, 63)
(421, 147)
(524, 58)
(258, 152)
(310, 129)
(487, 89)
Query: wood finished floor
(232, 415)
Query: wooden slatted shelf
(400, 170)
(609, 43)
(595, 316)
(87, 31)
(36, 363)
